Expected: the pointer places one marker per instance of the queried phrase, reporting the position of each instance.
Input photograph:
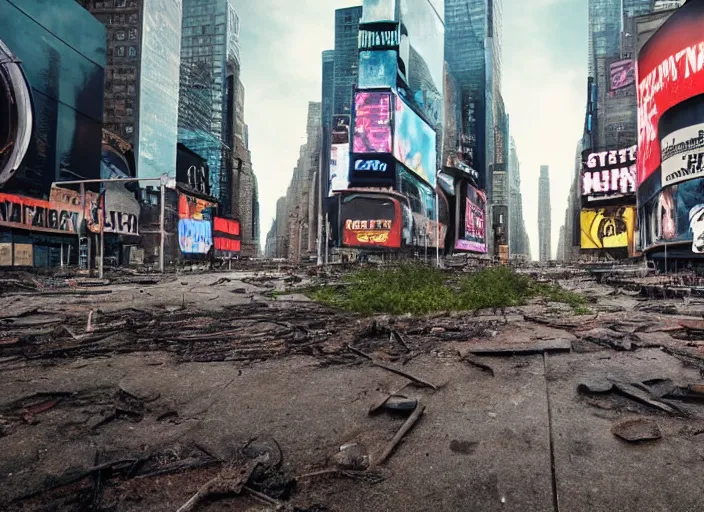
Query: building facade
(142, 78)
(51, 76)
(544, 215)
(345, 58)
(517, 236)
(210, 69)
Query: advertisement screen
(608, 175)
(472, 232)
(339, 167)
(682, 155)
(372, 123)
(676, 214)
(608, 228)
(226, 235)
(623, 74)
(371, 221)
(377, 69)
(195, 236)
(669, 72)
(414, 143)
(378, 10)
(190, 207)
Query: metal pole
(665, 258)
(102, 250)
(320, 211)
(437, 227)
(327, 230)
(162, 230)
(78, 231)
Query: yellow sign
(608, 228)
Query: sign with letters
(608, 175)
(38, 215)
(378, 39)
(370, 164)
(121, 210)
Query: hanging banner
(121, 210)
(91, 212)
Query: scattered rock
(636, 430)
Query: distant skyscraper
(346, 57)
(544, 214)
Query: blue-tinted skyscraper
(210, 67)
(346, 57)
(473, 54)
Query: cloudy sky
(543, 84)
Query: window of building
(129, 129)
(132, 51)
(133, 33)
(133, 18)
(120, 3)
(130, 89)
(120, 51)
(120, 35)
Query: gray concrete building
(544, 215)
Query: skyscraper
(210, 68)
(473, 53)
(142, 78)
(517, 228)
(544, 215)
(346, 57)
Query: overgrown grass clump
(418, 289)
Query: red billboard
(670, 70)
(372, 123)
(226, 234)
(371, 221)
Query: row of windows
(122, 35)
(203, 30)
(123, 51)
(202, 40)
(109, 4)
(117, 19)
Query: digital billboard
(195, 236)
(226, 235)
(676, 214)
(159, 88)
(608, 228)
(682, 153)
(623, 74)
(377, 69)
(339, 154)
(371, 221)
(471, 234)
(608, 175)
(670, 70)
(190, 207)
(372, 122)
(414, 143)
